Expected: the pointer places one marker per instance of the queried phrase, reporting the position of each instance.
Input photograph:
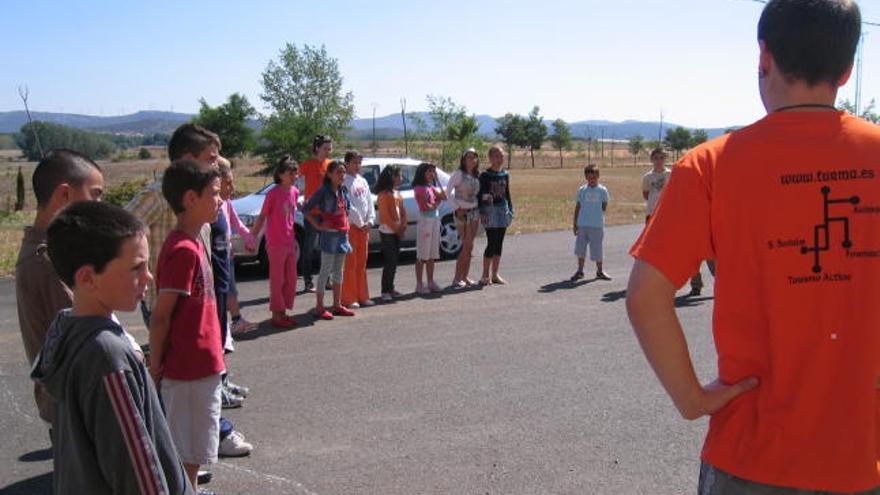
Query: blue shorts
(714, 481)
(591, 236)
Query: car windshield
(371, 173)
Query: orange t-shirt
(789, 208)
(313, 171)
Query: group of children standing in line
(338, 213)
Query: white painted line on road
(269, 477)
(10, 398)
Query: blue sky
(694, 60)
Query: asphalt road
(535, 387)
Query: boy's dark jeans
(308, 249)
(390, 254)
(714, 481)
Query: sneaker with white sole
(353, 305)
(367, 303)
(235, 389)
(228, 400)
(422, 289)
(234, 445)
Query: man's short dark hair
(319, 141)
(58, 167)
(591, 169)
(88, 233)
(351, 155)
(186, 175)
(191, 138)
(811, 40)
(658, 152)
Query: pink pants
(282, 277)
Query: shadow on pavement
(614, 296)
(37, 456)
(687, 301)
(36, 485)
(565, 285)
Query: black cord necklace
(806, 105)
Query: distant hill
(387, 127)
(391, 126)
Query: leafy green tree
(536, 132)
(636, 145)
(144, 154)
(561, 137)
(452, 127)
(512, 129)
(53, 136)
(678, 139)
(229, 121)
(868, 113)
(698, 137)
(303, 89)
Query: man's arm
(574, 221)
(160, 325)
(650, 303)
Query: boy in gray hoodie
(110, 435)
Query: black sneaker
(309, 287)
(577, 276)
(602, 276)
(204, 477)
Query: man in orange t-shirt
(313, 171)
(789, 207)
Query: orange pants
(354, 279)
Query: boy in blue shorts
(110, 435)
(589, 222)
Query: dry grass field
(542, 196)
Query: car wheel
(450, 238)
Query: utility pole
(403, 117)
(375, 144)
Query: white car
(248, 208)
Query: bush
(121, 194)
(144, 154)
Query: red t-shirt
(194, 349)
(789, 208)
(313, 171)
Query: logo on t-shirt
(822, 240)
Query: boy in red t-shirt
(186, 359)
(788, 208)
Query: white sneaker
(367, 303)
(422, 289)
(234, 445)
(353, 305)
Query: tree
(536, 132)
(868, 113)
(19, 190)
(512, 129)
(452, 126)
(698, 137)
(561, 137)
(229, 121)
(303, 89)
(636, 145)
(144, 154)
(53, 136)
(678, 139)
